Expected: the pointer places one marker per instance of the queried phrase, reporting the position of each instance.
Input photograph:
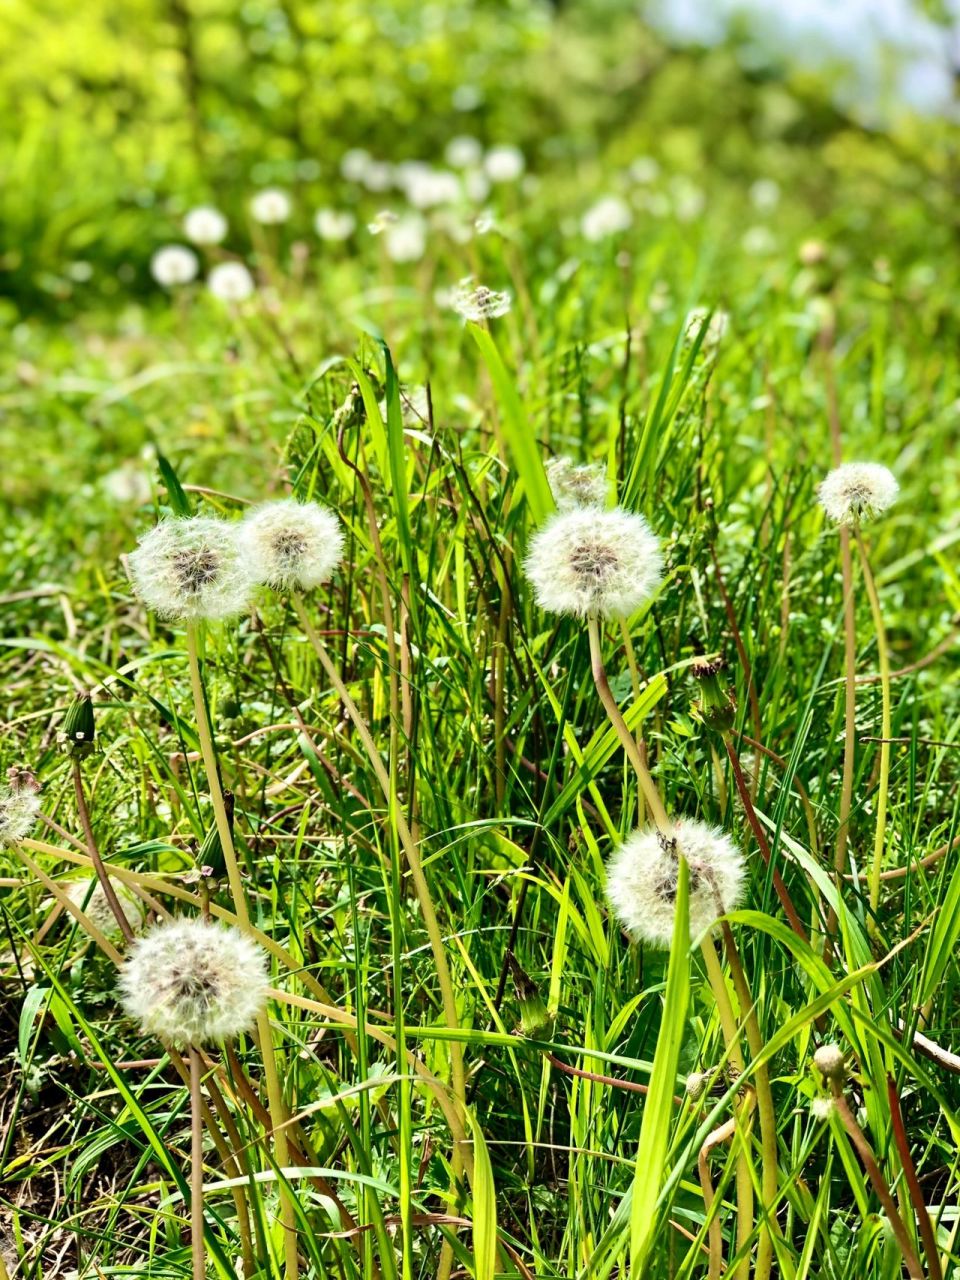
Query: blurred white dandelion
(857, 491)
(290, 545)
(19, 809)
(406, 238)
(205, 225)
(504, 163)
(476, 302)
(334, 224)
(189, 569)
(716, 328)
(463, 152)
(608, 217)
(271, 206)
(230, 282)
(174, 265)
(88, 895)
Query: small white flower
(476, 302)
(189, 569)
(504, 163)
(88, 895)
(205, 225)
(463, 152)
(19, 807)
(334, 224)
(230, 282)
(576, 486)
(270, 206)
(857, 490)
(190, 982)
(173, 265)
(593, 561)
(642, 879)
(406, 238)
(290, 545)
(608, 217)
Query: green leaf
(179, 501)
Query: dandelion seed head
(334, 224)
(463, 152)
(608, 217)
(822, 1108)
(642, 879)
(205, 225)
(476, 302)
(576, 486)
(354, 164)
(592, 561)
(426, 188)
(88, 895)
(190, 982)
(290, 545)
(19, 807)
(188, 569)
(504, 163)
(230, 282)
(271, 206)
(406, 238)
(174, 265)
(857, 490)
(716, 329)
(829, 1061)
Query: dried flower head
(270, 206)
(829, 1061)
(230, 282)
(205, 225)
(642, 879)
(189, 982)
(334, 224)
(189, 569)
(290, 545)
(576, 486)
(593, 561)
(19, 806)
(857, 490)
(173, 265)
(88, 895)
(476, 302)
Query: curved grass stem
(197, 1249)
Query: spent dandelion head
(856, 491)
(642, 879)
(191, 569)
(88, 895)
(205, 225)
(576, 485)
(290, 545)
(19, 808)
(190, 982)
(477, 303)
(174, 265)
(593, 561)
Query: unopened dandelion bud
(716, 708)
(210, 857)
(642, 877)
(536, 1020)
(193, 982)
(592, 561)
(290, 545)
(829, 1061)
(78, 730)
(190, 569)
(19, 808)
(857, 490)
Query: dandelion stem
(412, 855)
(883, 655)
(105, 883)
(264, 1034)
(627, 740)
(849, 723)
(196, 1169)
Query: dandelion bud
(536, 1020)
(477, 302)
(591, 561)
(576, 486)
(19, 806)
(290, 545)
(188, 569)
(230, 282)
(191, 982)
(205, 225)
(857, 490)
(716, 708)
(828, 1060)
(78, 729)
(174, 264)
(642, 879)
(270, 206)
(88, 895)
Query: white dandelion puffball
(593, 561)
(607, 217)
(576, 486)
(504, 164)
(354, 164)
(188, 569)
(173, 265)
(406, 238)
(642, 879)
(191, 982)
(856, 490)
(334, 224)
(290, 545)
(717, 327)
(427, 188)
(463, 152)
(205, 225)
(476, 302)
(88, 895)
(19, 807)
(230, 282)
(270, 206)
